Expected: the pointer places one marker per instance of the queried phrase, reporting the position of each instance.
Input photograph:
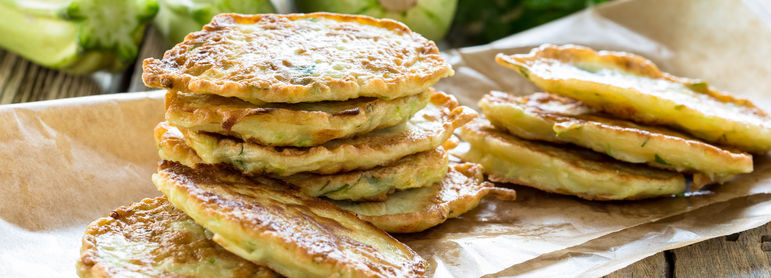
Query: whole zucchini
(76, 36)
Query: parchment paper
(67, 162)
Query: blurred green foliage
(483, 21)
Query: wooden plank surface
(23, 81)
(747, 254)
(654, 266)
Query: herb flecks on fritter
(548, 117)
(563, 169)
(299, 58)
(633, 88)
(279, 227)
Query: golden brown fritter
(417, 170)
(633, 88)
(563, 169)
(298, 125)
(151, 238)
(426, 130)
(413, 171)
(543, 116)
(279, 227)
(417, 209)
(293, 58)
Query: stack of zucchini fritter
(278, 127)
(612, 127)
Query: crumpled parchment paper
(68, 162)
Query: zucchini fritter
(417, 170)
(151, 238)
(543, 116)
(293, 58)
(417, 209)
(562, 169)
(426, 130)
(299, 125)
(171, 146)
(633, 88)
(276, 226)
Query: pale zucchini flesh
(631, 87)
(547, 117)
(562, 169)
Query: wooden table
(746, 254)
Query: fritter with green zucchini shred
(414, 171)
(299, 124)
(426, 130)
(292, 58)
(282, 228)
(543, 116)
(562, 169)
(417, 170)
(418, 209)
(172, 147)
(151, 238)
(632, 87)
